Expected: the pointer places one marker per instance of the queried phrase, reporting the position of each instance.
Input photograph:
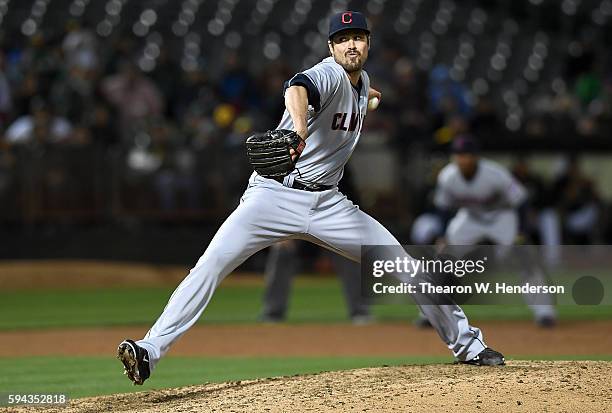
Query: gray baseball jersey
(334, 122)
(270, 212)
(490, 192)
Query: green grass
(86, 376)
(311, 302)
(314, 300)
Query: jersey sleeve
(314, 97)
(443, 197)
(324, 81)
(512, 191)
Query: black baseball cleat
(487, 357)
(546, 321)
(135, 361)
(272, 318)
(422, 322)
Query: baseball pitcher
(293, 195)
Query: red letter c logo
(347, 18)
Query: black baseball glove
(269, 152)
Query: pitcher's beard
(352, 66)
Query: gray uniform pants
(466, 230)
(270, 212)
(281, 267)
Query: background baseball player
(282, 266)
(283, 263)
(325, 104)
(486, 198)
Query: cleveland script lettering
(340, 119)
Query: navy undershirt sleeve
(314, 97)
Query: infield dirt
(521, 386)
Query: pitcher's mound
(521, 386)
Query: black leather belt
(311, 187)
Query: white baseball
(373, 103)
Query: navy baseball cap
(347, 20)
(465, 144)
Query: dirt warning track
(583, 338)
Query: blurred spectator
(177, 174)
(580, 58)
(588, 87)
(161, 159)
(236, 85)
(199, 127)
(446, 96)
(43, 60)
(80, 47)
(538, 198)
(195, 94)
(271, 83)
(73, 93)
(165, 77)
(485, 121)
(578, 203)
(6, 100)
(135, 97)
(430, 223)
(41, 127)
(26, 90)
(7, 163)
(103, 127)
(587, 126)
(80, 136)
(454, 125)
(539, 220)
(409, 98)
